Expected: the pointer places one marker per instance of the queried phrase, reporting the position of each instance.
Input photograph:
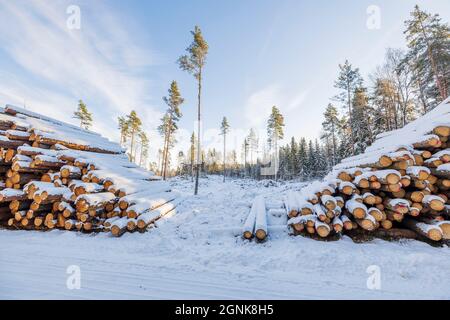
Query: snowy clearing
(195, 254)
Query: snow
(261, 214)
(20, 157)
(319, 224)
(18, 133)
(88, 187)
(367, 194)
(71, 169)
(326, 199)
(415, 170)
(94, 199)
(319, 210)
(38, 185)
(54, 129)
(153, 215)
(352, 205)
(47, 158)
(391, 143)
(48, 152)
(379, 174)
(426, 228)
(150, 202)
(371, 218)
(428, 198)
(444, 167)
(54, 191)
(344, 184)
(398, 203)
(442, 153)
(9, 192)
(197, 254)
(337, 221)
(302, 219)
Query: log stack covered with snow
(55, 175)
(401, 182)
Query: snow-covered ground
(195, 254)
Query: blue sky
(262, 53)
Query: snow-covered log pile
(256, 222)
(400, 183)
(56, 175)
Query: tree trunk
(163, 156)
(442, 90)
(334, 145)
(224, 155)
(132, 145)
(276, 158)
(167, 149)
(349, 97)
(197, 173)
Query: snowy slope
(389, 142)
(55, 129)
(194, 254)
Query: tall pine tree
(429, 43)
(194, 62)
(224, 129)
(169, 126)
(135, 124)
(331, 127)
(348, 80)
(275, 132)
(83, 115)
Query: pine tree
(194, 63)
(192, 153)
(224, 129)
(170, 119)
(321, 161)
(292, 158)
(134, 128)
(362, 126)
(159, 164)
(83, 115)
(253, 145)
(124, 127)
(163, 130)
(245, 149)
(275, 132)
(397, 69)
(331, 127)
(144, 141)
(302, 158)
(385, 98)
(346, 147)
(283, 156)
(327, 150)
(348, 80)
(311, 162)
(429, 44)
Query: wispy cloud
(259, 104)
(100, 62)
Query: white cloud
(58, 66)
(259, 104)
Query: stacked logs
(391, 188)
(51, 181)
